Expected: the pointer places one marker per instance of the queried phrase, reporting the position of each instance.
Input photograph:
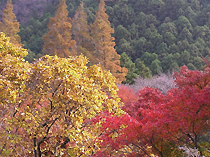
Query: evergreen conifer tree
(142, 70)
(125, 61)
(57, 41)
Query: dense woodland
(162, 34)
(61, 77)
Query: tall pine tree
(81, 33)
(105, 54)
(10, 25)
(57, 41)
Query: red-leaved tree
(159, 124)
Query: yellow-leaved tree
(46, 106)
(13, 74)
(57, 41)
(105, 54)
(10, 26)
(81, 33)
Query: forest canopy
(62, 76)
(169, 33)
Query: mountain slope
(24, 9)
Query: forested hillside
(163, 34)
(63, 66)
(24, 9)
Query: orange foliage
(81, 32)
(105, 54)
(10, 25)
(58, 39)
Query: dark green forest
(154, 35)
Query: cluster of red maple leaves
(158, 124)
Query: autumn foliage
(104, 53)
(62, 107)
(81, 33)
(158, 124)
(57, 41)
(10, 25)
(94, 41)
(46, 106)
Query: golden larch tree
(10, 25)
(81, 33)
(57, 41)
(105, 54)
